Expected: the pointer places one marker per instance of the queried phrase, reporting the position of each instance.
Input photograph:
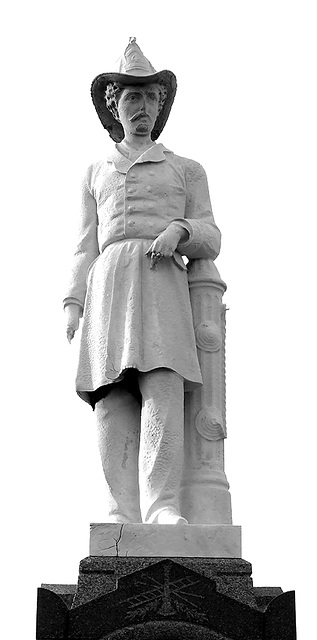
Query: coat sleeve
(87, 249)
(204, 236)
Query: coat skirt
(135, 318)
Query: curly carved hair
(112, 95)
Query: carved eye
(132, 97)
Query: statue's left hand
(73, 313)
(166, 243)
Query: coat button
(151, 173)
(130, 209)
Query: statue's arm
(87, 250)
(195, 235)
(204, 237)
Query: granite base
(142, 598)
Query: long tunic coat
(134, 316)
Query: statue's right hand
(73, 313)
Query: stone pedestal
(159, 540)
(122, 594)
(148, 598)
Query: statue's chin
(142, 128)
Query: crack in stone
(117, 541)
(106, 548)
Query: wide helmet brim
(114, 128)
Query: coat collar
(156, 153)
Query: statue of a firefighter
(143, 208)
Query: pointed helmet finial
(133, 62)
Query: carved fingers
(164, 245)
(73, 313)
(155, 257)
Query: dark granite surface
(166, 598)
(98, 575)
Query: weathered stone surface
(204, 495)
(126, 540)
(65, 591)
(166, 599)
(99, 575)
(52, 615)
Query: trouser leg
(161, 445)
(118, 421)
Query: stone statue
(143, 208)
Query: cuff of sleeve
(68, 301)
(185, 225)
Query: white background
(246, 109)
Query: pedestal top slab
(165, 540)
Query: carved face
(138, 108)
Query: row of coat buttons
(131, 223)
(130, 208)
(133, 189)
(133, 209)
(134, 175)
